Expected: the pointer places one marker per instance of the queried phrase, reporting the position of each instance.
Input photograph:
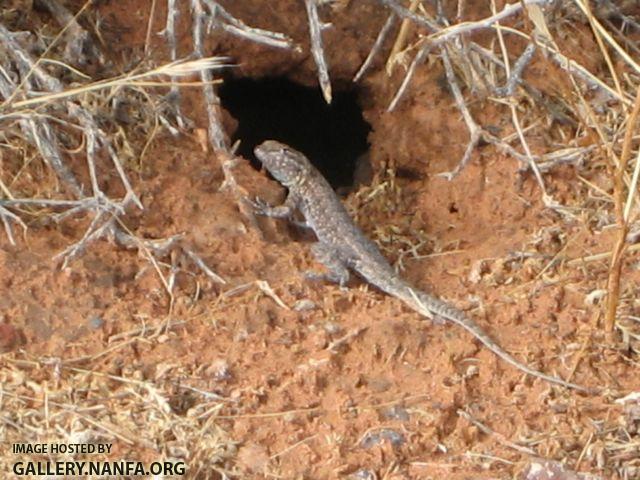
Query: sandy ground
(319, 382)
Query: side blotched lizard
(342, 245)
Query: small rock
(375, 438)
(396, 412)
(96, 322)
(304, 305)
(332, 328)
(363, 474)
(550, 470)
(219, 370)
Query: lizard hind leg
(337, 271)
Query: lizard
(342, 246)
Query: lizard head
(287, 165)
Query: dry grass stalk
(613, 282)
(401, 39)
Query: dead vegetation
(74, 132)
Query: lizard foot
(260, 207)
(327, 277)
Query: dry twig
(613, 282)
(315, 32)
(377, 45)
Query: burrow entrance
(332, 136)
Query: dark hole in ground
(332, 136)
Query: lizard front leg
(281, 211)
(286, 210)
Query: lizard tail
(427, 305)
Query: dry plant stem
(426, 48)
(527, 150)
(443, 35)
(228, 162)
(315, 33)
(35, 69)
(98, 138)
(41, 135)
(377, 45)
(610, 40)
(404, 12)
(217, 137)
(489, 431)
(160, 248)
(581, 72)
(169, 33)
(564, 156)
(179, 68)
(603, 49)
(628, 43)
(514, 113)
(147, 39)
(475, 132)
(417, 60)
(93, 232)
(44, 137)
(613, 282)
(461, 9)
(398, 46)
(37, 130)
(42, 202)
(8, 217)
(79, 45)
(515, 77)
(233, 26)
(216, 132)
(203, 266)
(615, 12)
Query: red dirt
(301, 409)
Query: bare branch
(315, 32)
(8, 217)
(79, 45)
(417, 60)
(515, 78)
(377, 45)
(98, 138)
(238, 28)
(404, 12)
(203, 266)
(169, 34)
(216, 132)
(446, 34)
(475, 131)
